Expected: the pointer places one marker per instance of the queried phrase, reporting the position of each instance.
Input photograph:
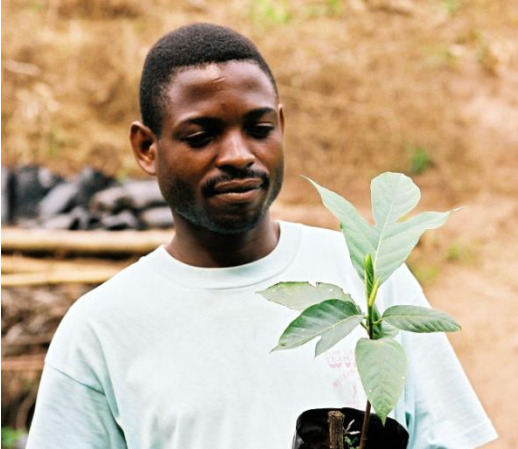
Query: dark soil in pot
(312, 430)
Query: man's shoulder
(324, 237)
(98, 309)
(119, 290)
(312, 230)
(318, 245)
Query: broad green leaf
(332, 320)
(390, 241)
(393, 195)
(300, 295)
(382, 367)
(361, 238)
(420, 319)
(398, 240)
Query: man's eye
(198, 140)
(260, 131)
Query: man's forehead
(212, 73)
(208, 71)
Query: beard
(181, 198)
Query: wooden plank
(27, 340)
(98, 243)
(19, 263)
(23, 363)
(61, 277)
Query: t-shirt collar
(230, 277)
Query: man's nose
(235, 152)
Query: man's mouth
(237, 186)
(237, 191)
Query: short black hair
(192, 45)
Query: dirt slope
(428, 87)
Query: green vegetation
(427, 273)
(376, 252)
(10, 437)
(463, 253)
(420, 160)
(452, 6)
(268, 11)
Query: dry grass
(366, 84)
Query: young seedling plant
(376, 252)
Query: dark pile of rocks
(33, 196)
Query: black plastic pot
(312, 430)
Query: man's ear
(144, 144)
(281, 117)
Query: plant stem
(365, 426)
(371, 299)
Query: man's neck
(203, 248)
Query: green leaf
(300, 295)
(381, 328)
(332, 320)
(368, 269)
(362, 237)
(420, 319)
(382, 367)
(390, 241)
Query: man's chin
(229, 225)
(226, 217)
(235, 226)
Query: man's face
(219, 158)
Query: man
(173, 352)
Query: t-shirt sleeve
(70, 414)
(75, 407)
(441, 407)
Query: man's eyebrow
(259, 112)
(214, 121)
(202, 121)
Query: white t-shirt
(170, 356)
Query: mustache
(247, 173)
